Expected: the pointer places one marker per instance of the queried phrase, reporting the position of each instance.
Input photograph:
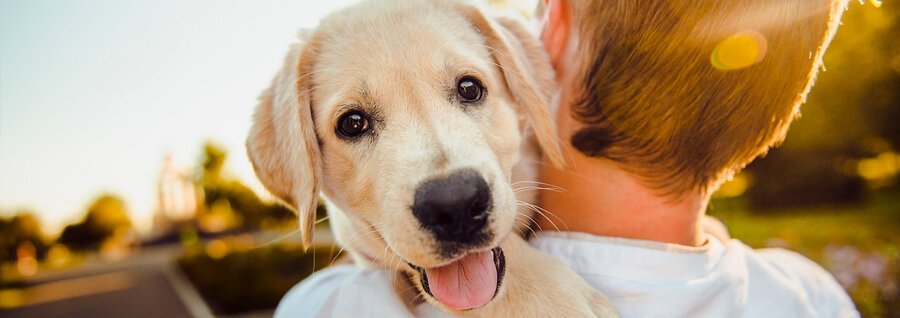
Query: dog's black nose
(454, 208)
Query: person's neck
(598, 197)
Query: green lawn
(859, 244)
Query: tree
(104, 218)
(243, 202)
(23, 228)
(851, 115)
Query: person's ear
(555, 33)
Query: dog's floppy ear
(282, 144)
(527, 72)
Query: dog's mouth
(467, 283)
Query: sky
(95, 93)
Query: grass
(859, 244)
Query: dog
(412, 120)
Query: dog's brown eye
(352, 124)
(469, 89)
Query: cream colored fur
(400, 60)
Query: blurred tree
(852, 113)
(249, 209)
(23, 228)
(213, 160)
(104, 218)
(857, 97)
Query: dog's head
(408, 117)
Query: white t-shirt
(641, 278)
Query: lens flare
(738, 51)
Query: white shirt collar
(632, 259)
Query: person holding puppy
(660, 102)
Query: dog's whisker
(391, 258)
(535, 182)
(543, 185)
(396, 259)
(527, 187)
(351, 239)
(334, 259)
(419, 293)
(331, 251)
(533, 209)
(544, 213)
(521, 189)
(279, 239)
(532, 222)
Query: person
(659, 103)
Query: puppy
(409, 118)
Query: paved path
(146, 284)
(142, 292)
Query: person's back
(718, 279)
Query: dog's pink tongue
(467, 283)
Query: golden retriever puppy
(410, 119)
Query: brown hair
(654, 99)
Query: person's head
(683, 94)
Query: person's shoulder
(771, 268)
(310, 296)
(343, 291)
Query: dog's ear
(527, 72)
(282, 143)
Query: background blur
(125, 189)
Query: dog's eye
(352, 124)
(469, 89)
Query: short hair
(654, 99)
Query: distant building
(177, 196)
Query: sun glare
(739, 51)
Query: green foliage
(104, 218)
(251, 212)
(790, 178)
(18, 230)
(213, 160)
(857, 97)
(851, 114)
(252, 279)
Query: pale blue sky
(94, 93)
